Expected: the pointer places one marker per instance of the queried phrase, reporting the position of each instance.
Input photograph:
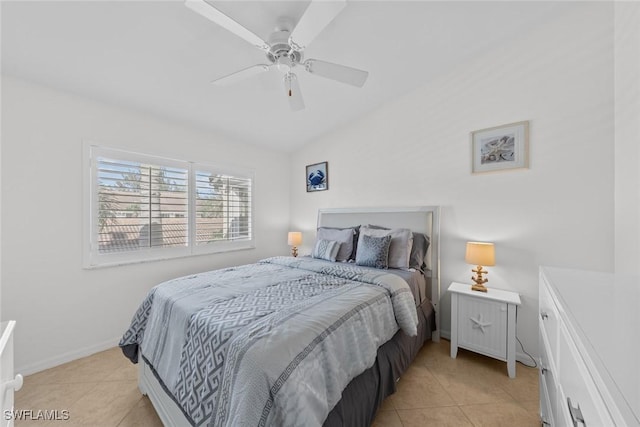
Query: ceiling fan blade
(210, 12)
(241, 75)
(317, 16)
(293, 92)
(341, 73)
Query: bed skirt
(364, 394)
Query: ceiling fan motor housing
(281, 52)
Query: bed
(290, 341)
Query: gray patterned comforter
(272, 343)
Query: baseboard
(65, 357)
(520, 356)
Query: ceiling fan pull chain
(288, 77)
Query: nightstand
(484, 322)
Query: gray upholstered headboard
(422, 219)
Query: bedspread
(271, 343)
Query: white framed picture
(501, 147)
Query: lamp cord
(535, 364)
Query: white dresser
(589, 349)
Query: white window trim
(92, 259)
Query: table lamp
(479, 254)
(294, 240)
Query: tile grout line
(133, 408)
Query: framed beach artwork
(317, 177)
(501, 147)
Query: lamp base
(294, 251)
(479, 288)
(479, 280)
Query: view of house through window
(143, 203)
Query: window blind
(223, 207)
(141, 205)
(144, 207)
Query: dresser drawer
(550, 317)
(577, 387)
(483, 328)
(548, 382)
(546, 413)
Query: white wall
(416, 151)
(627, 138)
(63, 311)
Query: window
(144, 208)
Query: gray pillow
(400, 248)
(419, 248)
(373, 251)
(342, 236)
(356, 234)
(326, 249)
(419, 251)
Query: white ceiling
(159, 57)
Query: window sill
(165, 257)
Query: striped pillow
(326, 249)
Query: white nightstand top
(492, 294)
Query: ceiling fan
(285, 47)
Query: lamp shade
(294, 238)
(480, 253)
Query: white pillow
(401, 243)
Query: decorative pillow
(401, 242)
(326, 249)
(373, 251)
(343, 236)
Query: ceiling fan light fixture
(284, 64)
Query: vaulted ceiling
(160, 57)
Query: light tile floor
(471, 390)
